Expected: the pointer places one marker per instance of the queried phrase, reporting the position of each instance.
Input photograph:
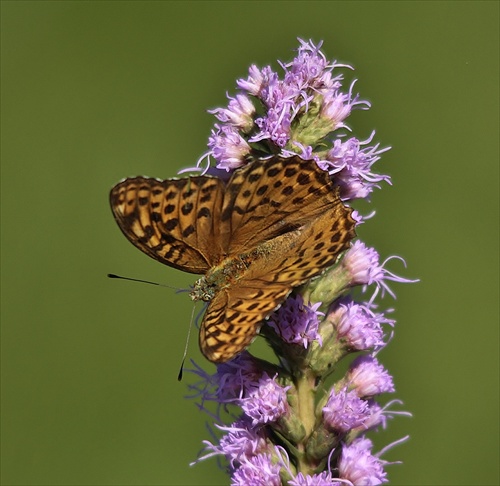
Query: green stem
(306, 406)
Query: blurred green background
(96, 91)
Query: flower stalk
(287, 426)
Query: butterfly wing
(172, 221)
(235, 315)
(305, 253)
(267, 199)
(233, 318)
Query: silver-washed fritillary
(275, 224)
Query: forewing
(270, 198)
(172, 221)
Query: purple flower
(243, 441)
(336, 107)
(238, 114)
(228, 147)
(344, 410)
(230, 382)
(379, 415)
(307, 81)
(296, 322)
(368, 377)
(279, 99)
(276, 125)
(240, 443)
(256, 80)
(352, 166)
(364, 268)
(321, 479)
(259, 470)
(359, 466)
(309, 69)
(363, 264)
(236, 377)
(358, 325)
(265, 402)
(376, 417)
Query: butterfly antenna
(181, 369)
(112, 275)
(180, 291)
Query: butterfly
(275, 224)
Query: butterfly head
(202, 290)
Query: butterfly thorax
(226, 274)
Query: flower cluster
(295, 115)
(287, 427)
